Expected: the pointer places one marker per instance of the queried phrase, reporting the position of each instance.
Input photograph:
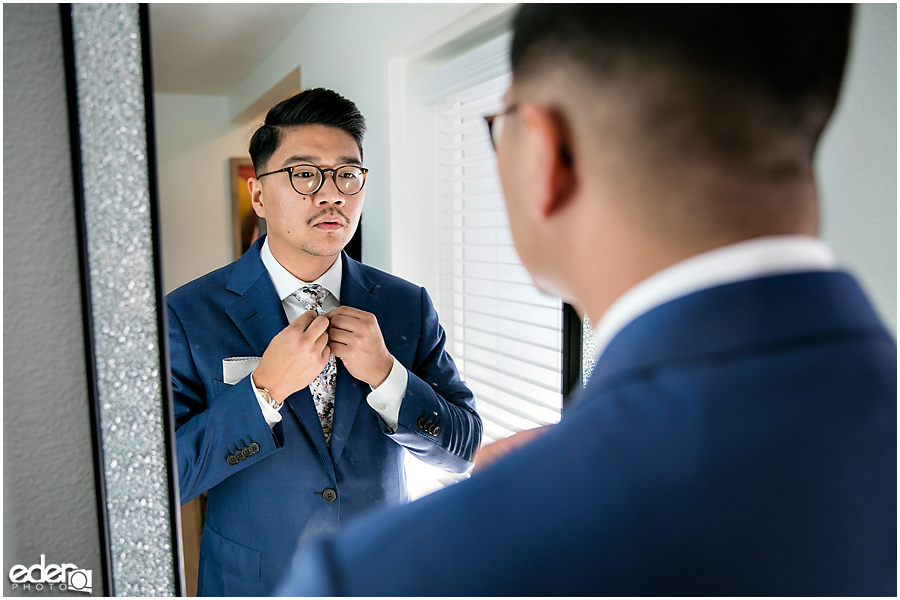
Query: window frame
(413, 153)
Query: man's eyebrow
(298, 159)
(304, 159)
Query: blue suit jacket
(259, 508)
(737, 441)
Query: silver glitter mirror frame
(110, 113)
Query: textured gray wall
(49, 502)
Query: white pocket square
(237, 367)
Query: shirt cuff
(387, 397)
(271, 415)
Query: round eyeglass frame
(290, 172)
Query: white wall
(194, 142)
(857, 161)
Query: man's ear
(255, 187)
(553, 171)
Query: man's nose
(329, 193)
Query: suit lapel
(302, 405)
(356, 288)
(259, 316)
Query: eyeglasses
(308, 179)
(495, 123)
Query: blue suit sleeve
(437, 421)
(212, 424)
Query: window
(504, 334)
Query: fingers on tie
(318, 325)
(304, 320)
(342, 322)
(340, 336)
(322, 339)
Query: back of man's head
(716, 82)
(317, 106)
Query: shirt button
(382, 406)
(329, 495)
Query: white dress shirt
(751, 259)
(386, 398)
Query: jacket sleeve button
(232, 459)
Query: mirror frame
(107, 55)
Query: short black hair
(792, 56)
(316, 106)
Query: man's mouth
(329, 226)
(330, 222)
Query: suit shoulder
(211, 283)
(390, 283)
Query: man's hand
(294, 357)
(356, 339)
(491, 453)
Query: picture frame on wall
(246, 226)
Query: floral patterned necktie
(322, 387)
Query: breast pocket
(218, 386)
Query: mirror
(204, 120)
(123, 238)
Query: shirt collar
(759, 257)
(286, 284)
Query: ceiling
(210, 48)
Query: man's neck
(302, 265)
(605, 250)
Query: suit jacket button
(246, 453)
(254, 448)
(330, 495)
(232, 459)
(421, 422)
(436, 430)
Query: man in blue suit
(738, 434)
(300, 375)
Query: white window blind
(504, 334)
